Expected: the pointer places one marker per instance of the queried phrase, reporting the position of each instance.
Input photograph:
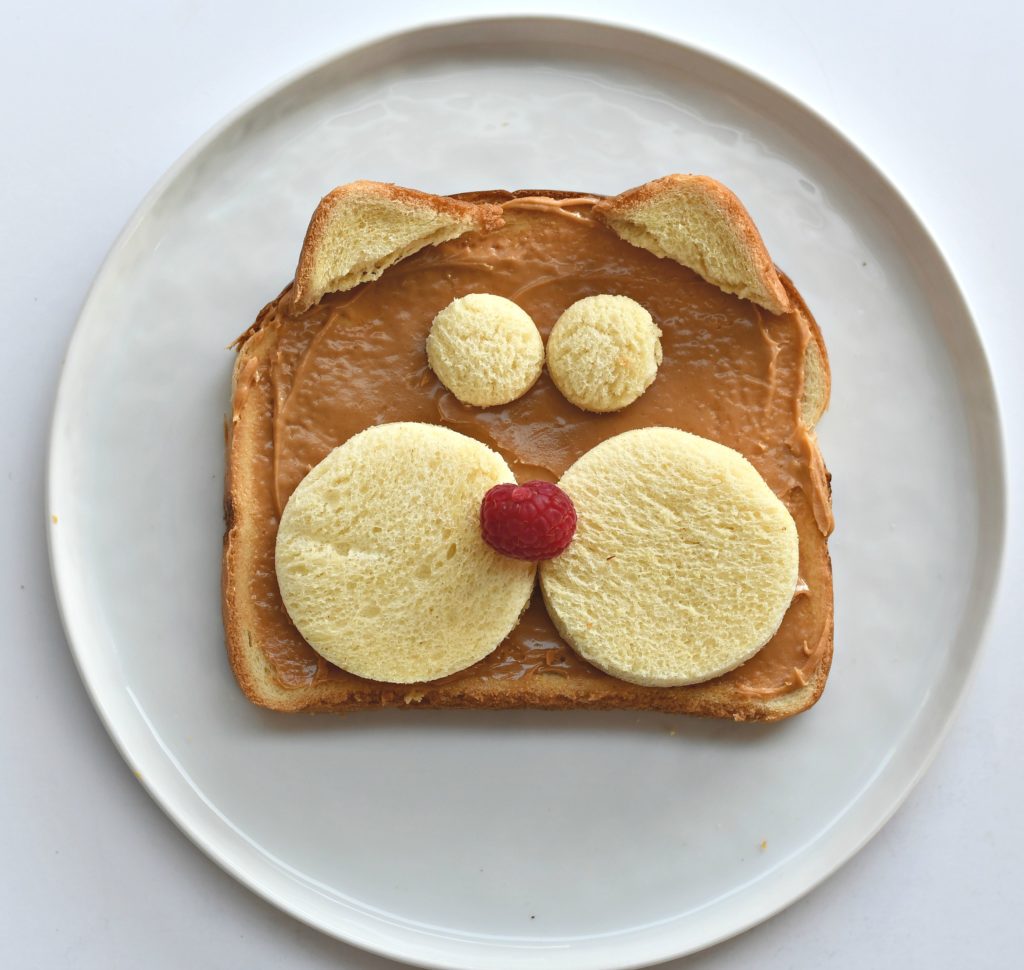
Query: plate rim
(985, 394)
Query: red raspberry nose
(533, 521)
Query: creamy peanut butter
(731, 372)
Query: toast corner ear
(702, 225)
(360, 229)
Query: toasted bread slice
(360, 229)
(700, 223)
(549, 683)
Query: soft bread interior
(814, 399)
(700, 223)
(360, 229)
(684, 561)
(604, 352)
(485, 349)
(380, 560)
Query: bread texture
(485, 349)
(700, 223)
(380, 560)
(249, 513)
(817, 387)
(660, 509)
(360, 229)
(604, 352)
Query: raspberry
(532, 521)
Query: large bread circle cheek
(381, 563)
(684, 561)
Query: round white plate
(550, 840)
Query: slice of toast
(257, 626)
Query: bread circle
(485, 349)
(380, 560)
(684, 560)
(604, 352)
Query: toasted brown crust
(732, 212)
(465, 214)
(543, 691)
(816, 393)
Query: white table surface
(99, 98)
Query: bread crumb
(764, 844)
(672, 732)
(53, 518)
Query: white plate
(476, 839)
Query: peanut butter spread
(731, 372)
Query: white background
(98, 100)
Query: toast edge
(732, 216)
(463, 216)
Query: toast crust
(728, 222)
(256, 676)
(817, 389)
(450, 217)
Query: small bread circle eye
(604, 352)
(485, 349)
